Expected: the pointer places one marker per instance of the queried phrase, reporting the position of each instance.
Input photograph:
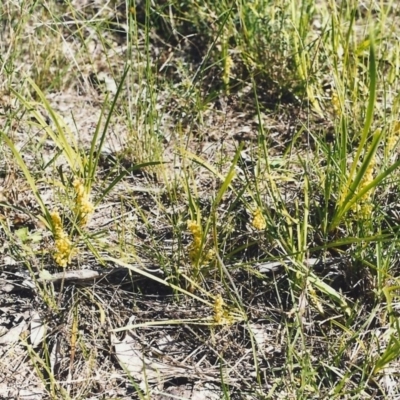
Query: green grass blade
(95, 152)
(229, 177)
(370, 109)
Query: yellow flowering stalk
(83, 207)
(258, 220)
(195, 247)
(63, 246)
(199, 257)
(221, 316)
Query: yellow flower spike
(195, 247)
(195, 229)
(259, 220)
(222, 316)
(79, 188)
(56, 219)
(83, 207)
(218, 309)
(63, 245)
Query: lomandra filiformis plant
(82, 166)
(83, 210)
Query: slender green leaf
(95, 153)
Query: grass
(228, 171)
